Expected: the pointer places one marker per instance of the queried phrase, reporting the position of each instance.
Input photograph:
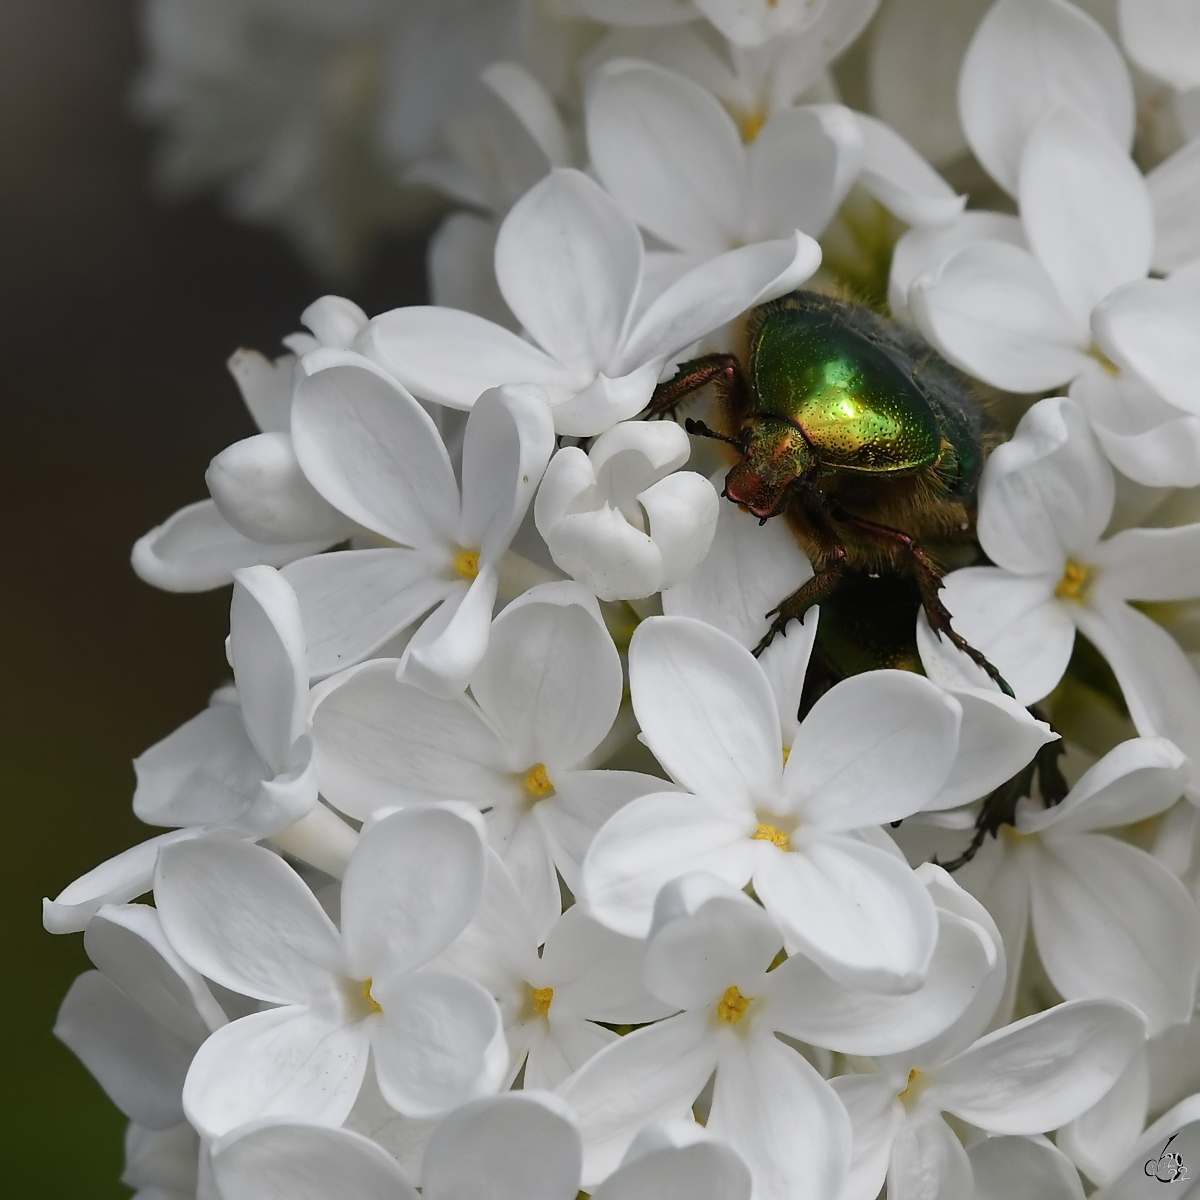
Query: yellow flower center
(1110, 367)
(466, 563)
(366, 995)
(772, 834)
(537, 782)
(786, 752)
(912, 1088)
(1075, 582)
(542, 998)
(750, 126)
(731, 1008)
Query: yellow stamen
(537, 782)
(542, 998)
(1110, 367)
(751, 125)
(731, 1008)
(772, 834)
(366, 995)
(786, 751)
(1075, 582)
(466, 563)
(912, 1087)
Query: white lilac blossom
(479, 880)
(243, 918)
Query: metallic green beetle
(866, 440)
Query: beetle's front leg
(722, 370)
(811, 592)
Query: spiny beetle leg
(723, 370)
(811, 592)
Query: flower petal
(706, 711)
(875, 1117)
(372, 451)
(1163, 38)
(928, 1162)
(196, 550)
(670, 155)
(1173, 185)
(857, 911)
(1041, 1072)
(683, 518)
(701, 1171)
(874, 748)
(442, 664)
(901, 180)
(285, 1062)
(1112, 921)
(1099, 1141)
(1019, 1168)
(241, 916)
(1027, 58)
(606, 554)
(1085, 209)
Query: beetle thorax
(776, 455)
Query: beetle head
(775, 454)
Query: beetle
(858, 433)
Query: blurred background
(116, 316)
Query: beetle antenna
(699, 429)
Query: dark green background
(116, 316)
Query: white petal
(270, 662)
(139, 1063)
(568, 485)
(1151, 564)
(1173, 185)
(648, 1075)
(516, 835)
(753, 22)
(1152, 1161)
(569, 262)
(533, 106)
(781, 1117)
(810, 1006)
(1012, 1168)
(1100, 1140)
(632, 457)
(653, 840)
(306, 1162)
(414, 881)
(1014, 621)
(1041, 1072)
(438, 1043)
(258, 487)
(706, 710)
(802, 164)
(1027, 58)
(451, 356)
(372, 451)
(196, 549)
(380, 742)
(992, 310)
(334, 321)
(206, 772)
(874, 748)
(683, 519)
(714, 293)
(670, 155)
(857, 911)
(606, 554)
(519, 1146)
(749, 568)
(1148, 327)
(508, 442)
(1112, 921)
(551, 680)
(284, 1062)
(928, 1162)
(1085, 209)
(785, 663)
(901, 180)
(1163, 38)
(875, 1117)
(241, 916)
(461, 275)
(352, 602)
(442, 665)
(702, 1171)
(266, 387)
(607, 399)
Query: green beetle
(856, 431)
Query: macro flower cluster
(581, 815)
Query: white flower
(162, 1164)
(1163, 38)
(239, 769)
(551, 991)
(1025, 1078)
(372, 450)
(622, 519)
(542, 701)
(708, 955)
(1166, 1153)
(875, 748)
(240, 916)
(1045, 500)
(569, 265)
(519, 1146)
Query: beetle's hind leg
(929, 584)
(724, 371)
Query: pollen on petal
(1076, 581)
(772, 834)
(912, 1088)
(731, 1008)
(542, 999)
(466, 563)
(366, 995)
(537, 782)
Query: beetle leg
(723, 370)
(811, 592)
(929, 583)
